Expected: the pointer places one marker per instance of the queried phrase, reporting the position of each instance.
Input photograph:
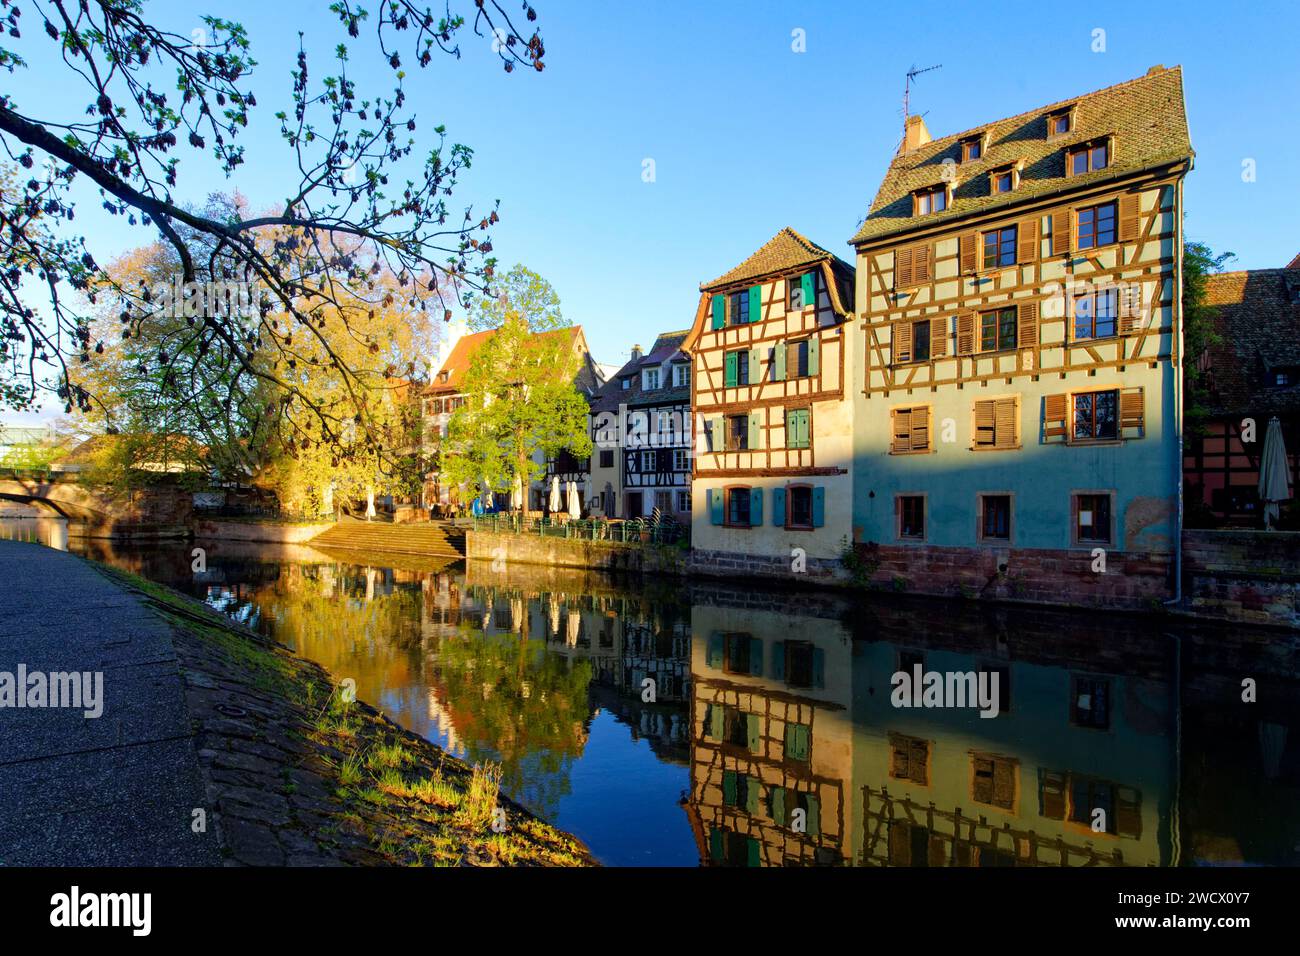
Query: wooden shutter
(922, 263)
(938, 338)
(902, 430)
(920, 429)
(1005, 424)
(809, 283)
(756, 303)
(903, 272)
(902, 342)
(1129, 217)
(1130, 308)
(755, 429)
(1062, 240)
(1027, 325)
(1132, 409)
(967, 246)
(1004, 783)
(900, 757)
(966, 333)
(1027, 240)
(1055, 417)
(1051, 795)
(729, 375)
(717, 433)
(755, 366)
(778, 362)
(982, 786)
(778, 503)
(814, 356)
(985, 423)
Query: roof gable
(1146, 115)
(785, 251)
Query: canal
(671, 724)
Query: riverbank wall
(1245, 576)
(273, 532)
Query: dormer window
(1004, 179)
(1087, 157)
(972, 148)
(1286, 376)
(627, 383)
(1060, 122)
(443, 376)
(650, 379)
(926, 201)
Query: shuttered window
(1056, 426)
(911, 430)
(1095, 314)
(1096, 226)
(740, 308)
(998, 330)
(1130, 308)
(1000, 247)
(909, 759)
(966, 333)
(912, 266)
(797, 434)
(1062, 241)
(996, 422)
(1130, 218)
(994, 780)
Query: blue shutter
(755, 507)
(713, 655)
(756, 657)
(809, 283)
(719, 311)
(819, 506)
(755, 303)
(778, 660)
(715, 506)
(778, 507)
(819, 667)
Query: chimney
(915, 134)
(1158, 68)
(636, 353)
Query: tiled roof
(785, 251)
(1294, 263)
(1258, 322)
(1146, 115)
(612, 394)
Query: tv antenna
(912, 74)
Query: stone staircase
(430, 538)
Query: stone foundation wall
(218, 530)
(806, 570)
(1248, 576)
(572, 553)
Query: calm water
(767, 735)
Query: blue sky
(748, 136)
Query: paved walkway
(117, 790)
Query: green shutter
(715, 506)
(755, 367)
(717, 434)
(729, 375)
(778, 507)
(778, 661)
(717, 844)
(716, 720)
(755, 858)
(796, 428)
(753, 795)
(719, 311)
(714, 650)
(755, 430)
(813, 819)
(756, 303)
(819, 667)
(776, 804)
(728, 788)
(814, 355)
(756, 657)
(755, 507)
(809, 282)
(778, 362)
(819, 506)
(796, 741)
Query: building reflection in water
(1120, 740)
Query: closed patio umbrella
(1274, 473)
(574, 628)
(554, 504)
(517, 494)
(575, 511)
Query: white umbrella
(1274, 473)
(575, 626)
(574, 510)
(554, 504)
(555, 616)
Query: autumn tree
(132, 97)
(521, 403)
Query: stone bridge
(90, 512)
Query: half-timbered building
(1018, 402)
(772, 477)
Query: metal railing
(588, 529)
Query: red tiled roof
(462, 354)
